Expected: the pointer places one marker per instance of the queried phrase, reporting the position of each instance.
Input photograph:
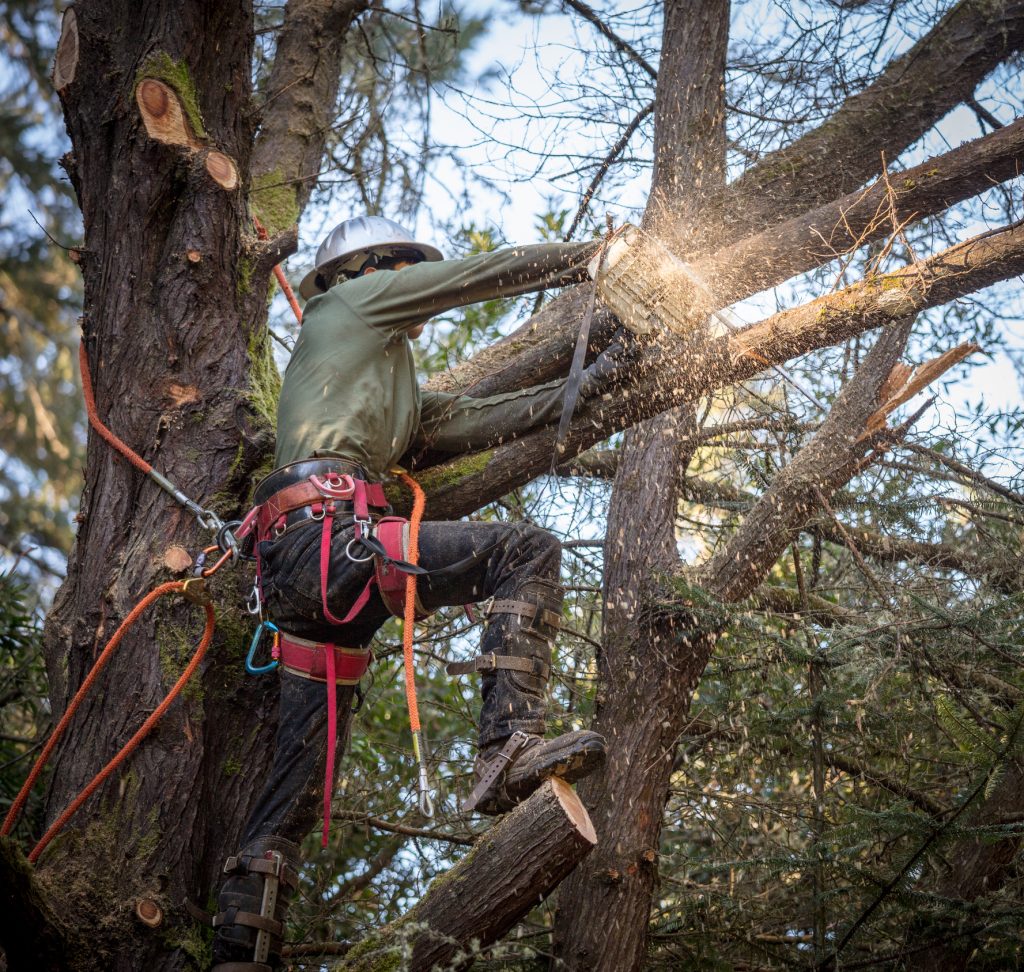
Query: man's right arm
(401, 299)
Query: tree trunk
(604, 909)
(516, 864)
(157, 102)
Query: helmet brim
(309, 288)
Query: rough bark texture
(301, 96)
(174, 319)
(33, 936)
(603, 912)
(516, 864)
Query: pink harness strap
(332, 741)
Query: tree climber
(350, 408)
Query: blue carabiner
(257, 637)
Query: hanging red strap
(332, 738)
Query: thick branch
(913, 93)
(519, 861)
(302, 93)
(467, 483)
(811, 239)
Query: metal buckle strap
(497, 766)
(524, 609)
(277, 867)
(492, 662)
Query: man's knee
(542, 547)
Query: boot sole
(523, 780)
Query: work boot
(252, 904)
(508, 771)
(514, 756)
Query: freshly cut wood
(162, 114)
(66, 62)
(222, 170)
(516, 864)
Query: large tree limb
(834, 228)
(913, 93)
(517, 863)
(302, 93)
(467, 483)
(541, 348)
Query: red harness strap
(336, 665)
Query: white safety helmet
(353, 241)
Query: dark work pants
(501, 559)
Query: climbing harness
(320, 491)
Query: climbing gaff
(426, 802)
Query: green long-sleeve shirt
(350, 389)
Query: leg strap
(496, 768)
(536, 613)
(492, 662)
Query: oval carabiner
(250, 666)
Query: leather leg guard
(510, 767)
(252, 905)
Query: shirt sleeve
(456, 423)
(402, 299)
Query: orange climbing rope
(282, 280)
(90, 679)
(419, 502)
(94, 417)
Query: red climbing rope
(90, 679)
(94, 417)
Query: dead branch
(821, 467)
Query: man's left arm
(458, 423)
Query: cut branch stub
(66, 61)
(222, 170)
(166, 121)
(163, 115)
